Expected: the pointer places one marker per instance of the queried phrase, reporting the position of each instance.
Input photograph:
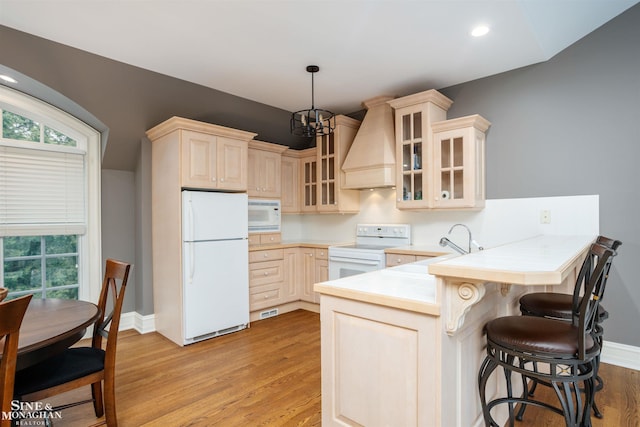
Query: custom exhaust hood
(371, 160)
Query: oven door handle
(353, 260)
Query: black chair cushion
(72, 364)
(550, 304)
(537, 335)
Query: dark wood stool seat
(559, 353)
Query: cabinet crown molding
(475, 121)
(267, 146)
(179, 123)
(431, 95)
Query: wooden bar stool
(559, 306)
(566, 351)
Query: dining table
(50, 326)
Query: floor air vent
(268, 313)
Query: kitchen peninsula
(402, 346)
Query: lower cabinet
(315, 268)
(266, 278)
(399, 259)
(280, 276)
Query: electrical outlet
(545, 216)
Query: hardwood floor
(268, 375)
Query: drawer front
(254, 239)
(268, 255)
(265, 239)
(265, 296)
(262, 273)
(322, 254)
(398, 259)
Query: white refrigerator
(215, 264)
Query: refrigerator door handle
(191, 219)
(192, 261)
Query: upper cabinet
(264, 173)
(309, 180)
(290, 179)
(441, 162)
(206, 156)
(331, 152)
(459, 152)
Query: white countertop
(539, 260)
(407, 286)
(536, 261)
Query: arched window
(49, 201)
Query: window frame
(89, 244)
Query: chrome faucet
(446, 242)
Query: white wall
(501, 221)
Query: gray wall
(118, 229)
(570, 126)
(564, 127)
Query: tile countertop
(407, 286)
(320, 244)
(534, 261)
(420, 250)
(541, 260)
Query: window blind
(41, 192)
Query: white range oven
(367, 254)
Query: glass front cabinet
(440, 161)
(331, 152)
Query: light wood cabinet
(264, 171)
(414, 153)
(315, 268)
(322, 270)
(191, 154)
(331, 152)
(440, 162)
(283, 279)
(459, 150)
(201, 155)
(266, 278)
(213, 162)
(256, 239)
(292, 173)
(309, 173)
(379, 366)
(399, 259)
(292, 274)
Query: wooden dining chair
(11, 315)
(81, 366)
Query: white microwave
(264, 216)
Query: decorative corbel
(505, 288)
(460, 298)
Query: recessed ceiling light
(480, 31)
(8, 78)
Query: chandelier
(314, 121)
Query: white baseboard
(621, 355)
(133, 320)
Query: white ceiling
(259, 49)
